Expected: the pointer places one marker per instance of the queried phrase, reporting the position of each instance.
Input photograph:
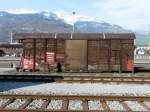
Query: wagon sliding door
(76, 55)
(98, 55)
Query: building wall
(12, 51)
(142, 50)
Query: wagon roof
(75, 36)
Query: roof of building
(75, 36)
(8, 45)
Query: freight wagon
(80, 52)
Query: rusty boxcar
(90, 52)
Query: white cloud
(69, 17)
(132, 14)
(21, 11)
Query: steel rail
(102, 79)
(47, 110)
(66, 98)
(74, 97)
(74, 78)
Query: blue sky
(131, 14)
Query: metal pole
(109, 58)
(120, 56)
(87, 58)
(73, 21)
(149, 35)
(34, 55)
(11, 38)
(45, 50)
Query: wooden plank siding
(83, 52)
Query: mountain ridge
(45, 21)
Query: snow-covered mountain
(46, 21)
(30, 22)
(93, 26)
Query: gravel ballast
(35, 104)
(135, 106)
(147, 104)
(16, 104)
(115, 105)
(75, 105)
(3, 101)
(95, 105)
(55, 105)
(74, 89)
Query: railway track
(107, 79)
(43, 103)
(77, 79)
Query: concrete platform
(2, 70)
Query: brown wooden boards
(76, 57)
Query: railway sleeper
(66, 102)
